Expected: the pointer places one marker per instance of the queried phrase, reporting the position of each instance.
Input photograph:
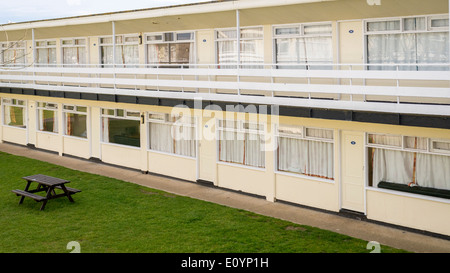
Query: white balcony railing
(397, 88)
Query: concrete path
(364, 230)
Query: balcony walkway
(407, 89)
(365, 230)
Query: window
(47, 117)
(411, 40)
(170, 48)
(121, 126)
(75, 120)
(408, 161)
(14, 113)
(46, 52)
(127, 51)
(13, 53)
(241, 142)
(74, 51)
(306, 151)
(172, 134)
(251, 47)
(303, 44)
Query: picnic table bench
(46, 184)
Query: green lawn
(113, 216)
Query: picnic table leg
(49, 194)
(26, 189)
(67, 193)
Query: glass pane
(82, 109)
(120, 113)
(122, 131)
(158, 53)
(109, 112)
(180, 52)
(252, 33)
(439, 22)
(168, 37)
(387, 140)
(383, 26)
(14, 116)
(317, 29)
(131, 39)
(156, 116)
(133, 114)
(414, 23)
(69, 107)
(287, 30)
(107, 40)
(290, 130)
(443, 146)
(76, 125)
(154, 38)
(48, 121)
(416, 143)
(184, 36)
(226, 34)
(319, 133)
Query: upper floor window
(251, 47)
(74, 51)
(411, 41)
(303, 45)
(127, 51)
(13, 53)
(46, 52)
(170, 48)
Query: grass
(113, 216)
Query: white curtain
(310, 50)
(74, 55)
(46, 55)
(184, 138)
(125, 54)
(227, 52)
(408, 48)
(402, 167)
(161, 137)
(105, 129)
(13, 56)
(308, 157)
(242, 148)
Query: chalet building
(339, 105)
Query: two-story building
(340, 105)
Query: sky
(30, 10)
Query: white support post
(33, 47)
(238, 46)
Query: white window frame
(49, 106)
(301, 134)
(240, 129)
(75, 111)
(15, 45)
(174, 41)
(15, 103)
(241, 39)
(172, 120)
(85, 46)
(123, 42)
(427, 29)
(116, 116)
(49, 44)
(300, 34)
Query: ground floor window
(121, 126)
(241, 142)
(172, 134)
(409, 161)
(306, 151)
(75, 120)
(14, 112)
(47, 117)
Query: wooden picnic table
(47, 184)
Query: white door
(352, 164)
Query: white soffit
(203, 7)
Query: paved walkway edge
(365, 230)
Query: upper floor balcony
(398, 88)
(362, 55)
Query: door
(206, 158)
(352, 164)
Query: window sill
(416, 190)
